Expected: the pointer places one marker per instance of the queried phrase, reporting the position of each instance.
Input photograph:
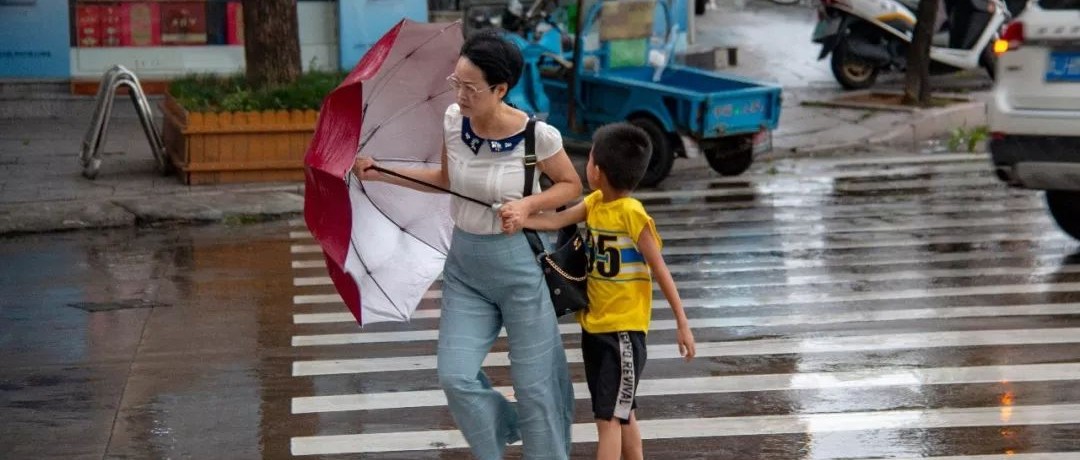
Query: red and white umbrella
(384, 244)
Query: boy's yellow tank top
(620, 284)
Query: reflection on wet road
(891, 306)
(887, 306)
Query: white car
(1034, 114)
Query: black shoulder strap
(530, 174)
(530, 156)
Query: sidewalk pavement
(41, 188)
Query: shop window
(126, 23)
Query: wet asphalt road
(888, 305)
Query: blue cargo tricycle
(617, 67)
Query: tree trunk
(271, 42)
(917, 81)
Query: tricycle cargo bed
(701, 104)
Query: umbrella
(384, 245)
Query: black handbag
(566, 267)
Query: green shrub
(215, 93)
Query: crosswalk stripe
(305, 248)
(936, 169)
(754, 321)
(869, 378)
(1025, 456)
(860, 212)
(797, 280)
(314, 263)
(806, 243)
(297, 223)
(810, 187)
(722, 427)
(907, 341)
(874, 161)
(300, 235)
(753, 200)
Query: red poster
(141, 24)
(234, 24)
(88, 31)
(183, 23)
(111, 22)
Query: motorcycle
(867, 37)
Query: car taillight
(1011, 39)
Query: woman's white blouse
(491, 174)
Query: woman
(491, 279)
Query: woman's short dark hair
(621, 151)
(498, 58)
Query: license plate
(1064, 67)
(826, 28)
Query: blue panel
(364, 22)
(35, 39)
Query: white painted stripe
(909, 341)
(314, 263)
(1028, 456)
(310, 299)
(819, 188)
(785, 202)
(830, 213)
(923, 419)
(720, 232)
(809, 243)
(874, 161)
(781, 299)
(885, 276)
(297, 223)
(300, 235)
(786, 175)
(322, 318)
(305, 248)
(750, 321)
(835, 265)
(869, 378)
(313, 281)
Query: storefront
(157, 39)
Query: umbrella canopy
(384, 245)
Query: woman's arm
(567, 187)
(439, 176)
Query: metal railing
(94, 141)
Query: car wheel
(699, 7)
(730, 156)
(1065, 207)
(663, 157)
(850, 71)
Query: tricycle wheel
(730, 156)
(663, 157)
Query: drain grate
(94, 307)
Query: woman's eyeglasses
(467, 90)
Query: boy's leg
(631, 439)
(609, 446)
(467, 329)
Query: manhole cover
(117, 305)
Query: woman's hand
(362, 168)
(513, 214)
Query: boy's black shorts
(613, 365)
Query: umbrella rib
(371, 275)
(387, 216)
(376, 90)
(393, 117)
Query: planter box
(220, 148)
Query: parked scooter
(867, 37)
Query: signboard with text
(35, 39)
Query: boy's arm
(556, 220)
(650, 250)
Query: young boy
(625, 255)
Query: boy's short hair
(622, 152)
